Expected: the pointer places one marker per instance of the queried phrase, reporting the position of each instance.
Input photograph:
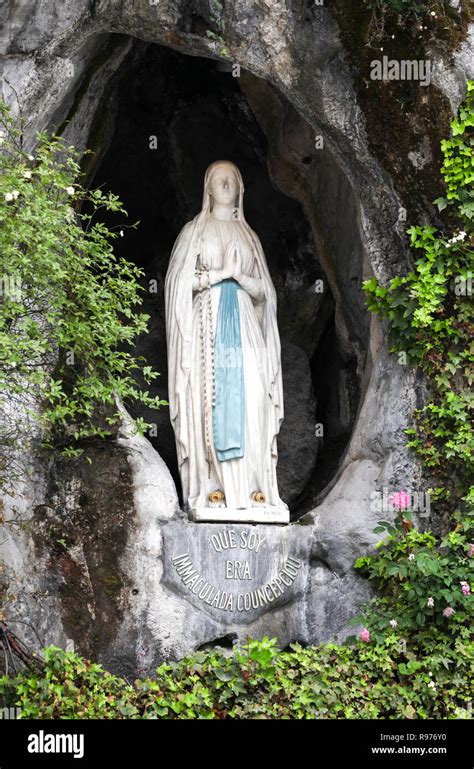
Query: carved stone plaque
(234, 572)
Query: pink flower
(364, 634)
(393, 623)
(430, 602)
(471, 549)
(465, 588)
(400, 500)
(448, 611)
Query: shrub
(70, 309)
(422, 582)
(385, 680)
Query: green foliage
(71, 686)
(216, 9)
(386, 680)
(70, 309)
(419, 580)
(219, 40)
(431, 320)
(458, 165)
(423, 582)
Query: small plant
(421, 581)
(216, 9)
(70, 306)
(219, 40)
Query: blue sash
(228, 414)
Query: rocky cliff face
(94, 561)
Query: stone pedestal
(264, 514)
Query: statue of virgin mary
(224, 364)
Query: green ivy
(430, 318)
(424, 583)
(258, 681)
(70, 306)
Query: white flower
(70, 214)
(30, 157)
(460, 236)
(27, 174)
(433, 13)
(8, 196)
(430, 602)
(70, 190)
(121, 233)
(394, 623)
(432, 685)
(411, 557)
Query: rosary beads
(203, 270)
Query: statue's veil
(178, 304)
(206, 198)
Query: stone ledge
(235, 515)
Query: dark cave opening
(171, 116)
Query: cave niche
(163, 118)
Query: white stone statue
(224, 365)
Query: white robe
(256, 471)
(238, 477)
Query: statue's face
(223, 186)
